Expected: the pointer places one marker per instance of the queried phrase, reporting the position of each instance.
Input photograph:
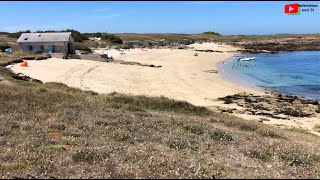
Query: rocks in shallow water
(313, 102)
(275, 94)
(275, 105)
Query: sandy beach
(182, 76)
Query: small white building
(95, 39)
(47, 42)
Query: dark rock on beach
(275, 105)
(136, 63)
(28, 57)
(209, 50)
(23, 77)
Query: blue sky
(159, 17)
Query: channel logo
(292, 9)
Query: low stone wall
(74, 56)
(57, 55)
(95, 57)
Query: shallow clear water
(295, 73)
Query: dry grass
(5, 58)
(216, 38)
(51, 130)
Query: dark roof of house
(44, 37)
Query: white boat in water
(247, 59)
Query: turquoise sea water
(295, 73)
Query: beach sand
(182, 76)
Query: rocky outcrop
(255, 51)
(275, 105)
(279, 44)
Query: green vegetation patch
(86, 156)
(158, 103)
(15, 166)
(112, 38)
(211, 32)
(221, 135)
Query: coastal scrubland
(51, 130)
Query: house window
(42, 48)
(25, 39)
(53, 49)
(30, 48)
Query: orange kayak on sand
(24, 63)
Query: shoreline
(306, 123)
(234, 81)
(225, 71)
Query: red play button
(291, 8)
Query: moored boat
(247, 59)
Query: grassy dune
(54, 131)
(218, 38)
(16, 55)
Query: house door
(50, 49)
(69, 48)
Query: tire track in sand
(86, 73)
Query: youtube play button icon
(292, 9)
